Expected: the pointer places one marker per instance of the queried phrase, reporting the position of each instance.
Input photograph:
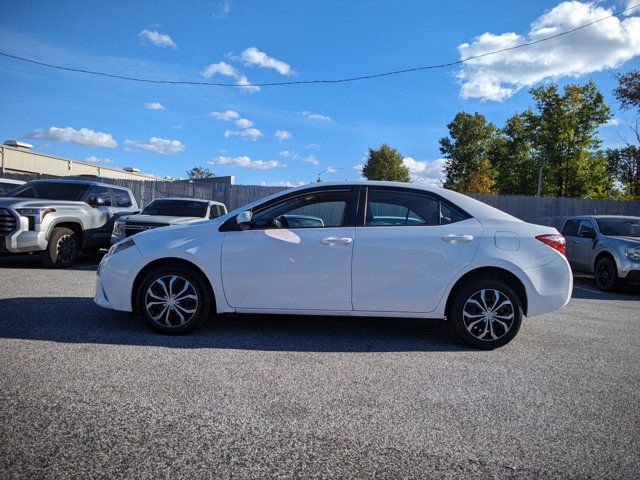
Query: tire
(62, 249)
(606, 274)
(476, 325)
(165, 299)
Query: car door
(570, 232)
(409, 247)
(583, 245)
(99, 197)
(274, 266)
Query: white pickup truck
(60, 218)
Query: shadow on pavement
(78, 320)
(585, 288)
(34, 262)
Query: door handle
(457, 238)
(336, 241)
(576, 241)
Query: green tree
(385, 163)
(564, 137)
(628, 90)
(624, 165)
(512, 156)
(200, 172)
(465, 149)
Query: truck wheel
(62, 249)
(486, 313)
(606, 274)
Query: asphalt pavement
(92, 393)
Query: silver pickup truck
(59, 218)
(607, 246)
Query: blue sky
(167, 129)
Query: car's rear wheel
(606, 275)
(62, 249)
(173, 299)
(486, 313)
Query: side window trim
(364, 200)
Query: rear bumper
(549, 287)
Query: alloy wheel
(488, 314)
(66, 249)
(171, 301)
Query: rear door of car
(583, 245)
(570, 232)
(409, 245)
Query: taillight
(554, 240)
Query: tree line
(550, 149)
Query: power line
(304, 82)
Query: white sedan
(377, 249)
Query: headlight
(118, 228)
(118, 247)
(632, 253)
(37, 214)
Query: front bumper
(115, 278)
(23, 241)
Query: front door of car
(411, 246)
(295, 255)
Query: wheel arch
(164, 262)
(71, 225)
(489, 272)
(603, 254)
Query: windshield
(620, 227)
(51, 191)
(176, 208)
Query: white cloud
(311, 159)
(221, 68)
(607, 44)
(244, 123)
(224, 8)
(253, 56)
(250, 133)
(226, 115)
(246, 86)
(283, 135)
(421, 171)
(84, 136)
(158, 145)
(613, 122)
(246, 162)
(316, 116)
(154, 106)
(156, 38)
(93, 159)
(283, 184)
(312, 146)
(358, 167)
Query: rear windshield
(176, 208)
(620, 227)
(51, 191)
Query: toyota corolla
(374, 249)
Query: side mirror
(244, 219)
(95, 201)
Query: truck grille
(131, 228)
(8, 223)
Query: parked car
(61, 217)
(473, 264)
(7, 184)
(164, 212)
(607, 246)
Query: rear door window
(571, 228)
(121, 197)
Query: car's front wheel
(487, 313)
(62, 249)
(173, 299)
(606, 275)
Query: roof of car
(11, 181)
(214, 202)
(596, 217)
(76, 181)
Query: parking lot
(86, 392)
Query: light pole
(328, 169)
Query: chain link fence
(233, 196)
